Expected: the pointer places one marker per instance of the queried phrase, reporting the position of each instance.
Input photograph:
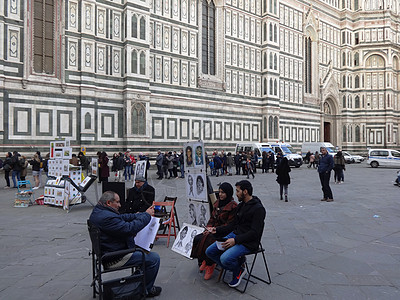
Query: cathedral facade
(152, 74)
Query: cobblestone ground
(346, 249)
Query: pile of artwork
(58, 191)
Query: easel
(81, 191)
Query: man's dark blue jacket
(325, 163)
(117, 230)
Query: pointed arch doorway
(329, 122)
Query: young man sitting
(242, 236)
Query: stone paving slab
(347, 249)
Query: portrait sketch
(190, 190)
(140, 169)
(199, 213)
(184, 241)
(188, 151)
(198, 154)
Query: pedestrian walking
(7, 168)
(249, 168)
(339, 167)
(229, 163)
(283, 178)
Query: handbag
(7, 167)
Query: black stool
(250, 272)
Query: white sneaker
(35, 188)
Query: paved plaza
(346, 249)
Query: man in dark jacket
(159, 164)
(324, 169)
(242, 236)
(16, 168)
(84, 162)
(140, 197)
(118, 232)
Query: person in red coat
(222, 214)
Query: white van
(383, 157)
(316, 146)
(286, 149)
(256, 147)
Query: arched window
(270, 5)
(350, 134)
(344, 102)
(275, 33)
(357, 102)
(344, 81)
(264, 6)
(270, 127)
(356, 5)
(357, 82)
(208, 38)
(265, 32)
(275, 88)
(275, 7)
(343, 59)
(88, 121)
(142, 63)
(265, 60)
(43, 38)
(350, 102)
(271, 86)
(142, 28)
(265, 86)
(357, 134)
(308, 64)
(138, 119)
(134, 26)
(134, 62)
(275, 62)
(265, 127)
(356, 59)
(271, 61)
(344, 134)
(271, 31)
(276, 128)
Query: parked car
(349, 158)
(383, 157)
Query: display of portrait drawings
(199, 213)
(184, 241)
(140, 169)
(145, 237)
(196, 187)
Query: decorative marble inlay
(13, 7)
(116, 61)
(72, 54)
(13, 43)
(88, 55)
(72, 14)
(101, 21)
(117, 25)
(88, 17)
(100, 58)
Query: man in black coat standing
(140, 197)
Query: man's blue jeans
(16, 174)
(152, 261)
(182, 171)
(228, 259)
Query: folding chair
(106, 289)
(169, 216)
(175, 212)
(250, 272)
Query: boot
(209, 271)
(286, 199)
(281, 197)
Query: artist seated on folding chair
(140, 197)
(242, 236)
(222, 214)
(118, 232)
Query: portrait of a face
(192, 214)
(199, 156)
(189, 156)
(190, 185)
(199, 185)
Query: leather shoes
(154, 291)
(324, 199)
(329, 200)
